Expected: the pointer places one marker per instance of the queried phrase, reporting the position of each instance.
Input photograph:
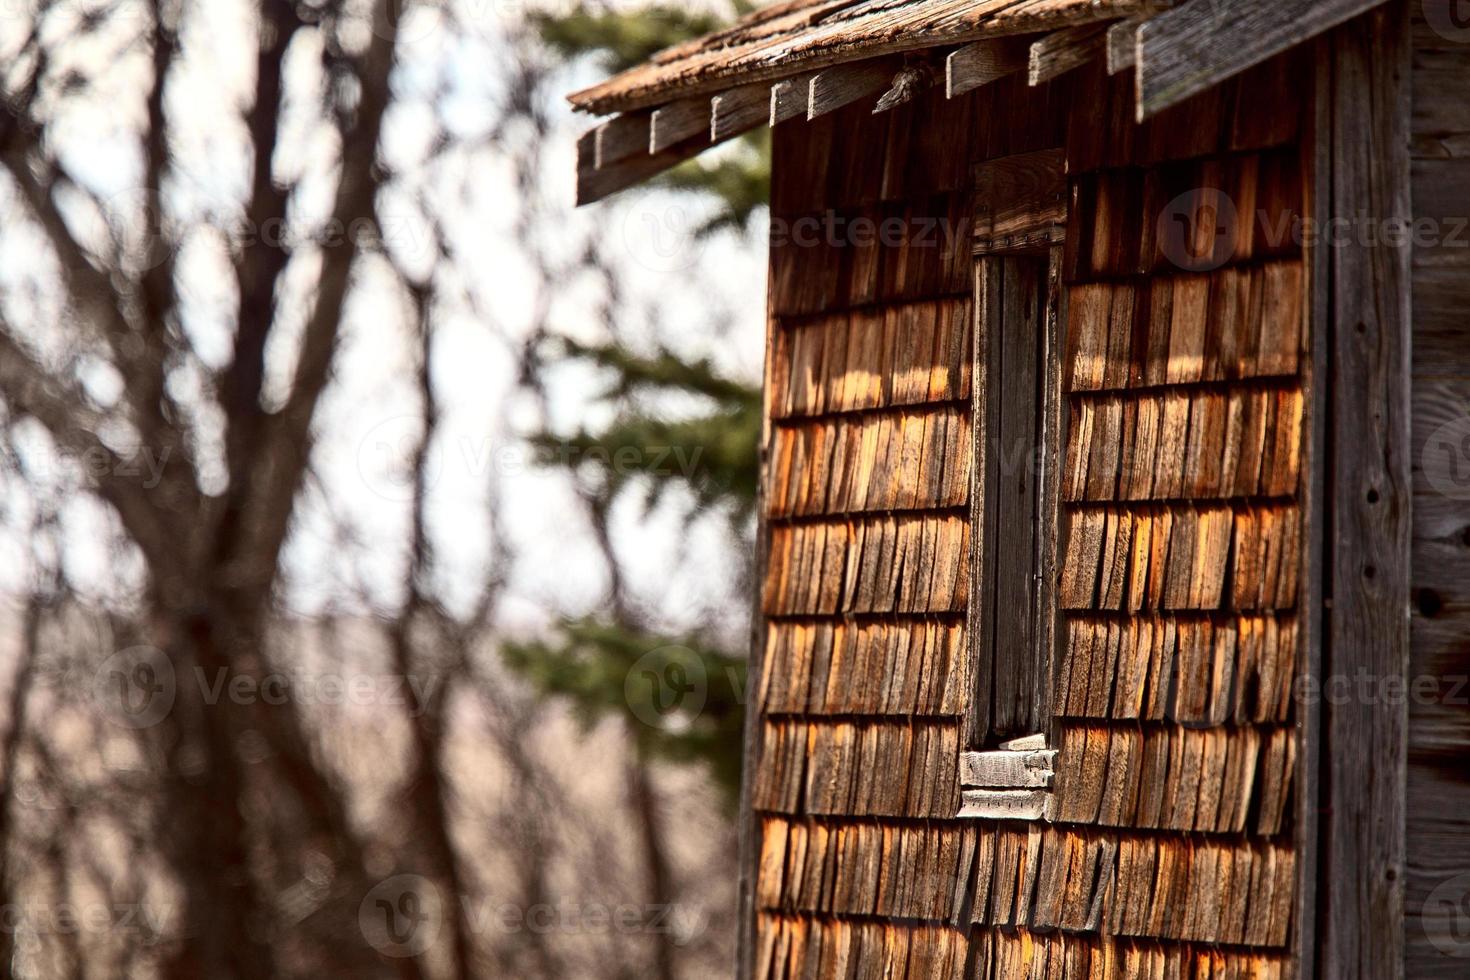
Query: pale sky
(367, 413)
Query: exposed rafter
(621, 138)
(1062, 51)
(739, 111)
(1123, 44)
(677, 122)
(843, 85)
(789, 98)
(976, 65)
(1196, 46)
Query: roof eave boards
(630, 148)
(1182, 52)
(1174, 54)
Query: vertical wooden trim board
(748, 831)
(1316, 397)
(1361, 878)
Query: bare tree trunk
(14, 738)
(646, 808)
(206, 832)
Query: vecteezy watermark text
(138, 687)
(833, 230)
(403, 915)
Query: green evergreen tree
(682, 696)
(739, 177)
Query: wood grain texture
(1012, 689)
(1196, 46)
(853, 855)
(678, 121)
(1317, 394)
(1122, 44)
(843, 85)
(595, 183)
(749, 839)
(738, 111)
(976, 65)
(1438, 823)
(1183, 557)
(783, 40)
(795, 947)
(1019, 664)
(622, 137)
(1005, 804)
(1064, 50)
(790, 98)
(1002, 954)
(1367, 631)
(1020, 195)
(1006, 769)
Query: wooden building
(1116, 610)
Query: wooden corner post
(1366, 571)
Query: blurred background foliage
(712, 453)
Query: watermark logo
(1197, 230)
(385, 458)
(1446, 458)
(1446, 916)
(402, 915)
(666, 682)
(662, 235)
(1450, 19)
(135, 688)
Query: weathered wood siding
(865, 676)
(1173, 849)
(1173, 846)
(1438, 887)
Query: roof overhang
(804, 58)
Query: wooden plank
(1122, 44)
(1012, 658)
(1026, 743)
(884, 28)
(1363, 816)
(749, 840)
(1007, 770)
(739, 111)
(1014, 433)
(989, 273)
(1019, 195)
(1003, 804)
(1316, 392)
(843, 85)
(622, 138)
(1438, 866)
(1440, 110)
(789, 98)
(1196, 46)
(1061, 51)
(1441, 190)
(1052, 417)
(677, 122)
(976, 65)
(596, 183)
